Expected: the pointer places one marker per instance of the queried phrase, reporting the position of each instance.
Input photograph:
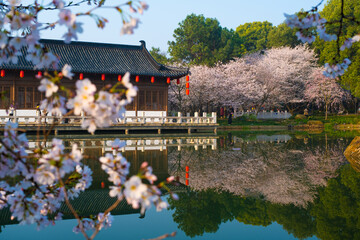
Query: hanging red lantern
(119, 78)
(187, 78)
(187, 92)
(187, 85)
(178, 81)
(187, 175)
(21, 73)
(81, 76)
(137, 79)
(39, 74)
(2, 74)
(152, 79)
(187, 182)
(168, 80)
(102, 185)
(102, 77)
(187, 168)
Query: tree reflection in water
(302, 185)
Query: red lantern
(2, 74)
(178, 81)
(102, 185)
(187, 78)
(152, 79)
(168, 80)
(39, 74)
(187, 182)
(137, 79)
(187, 168)
(187, 92)
(119, 78)
(187, 85)
(187, 175)
(21, 73)
(81, 76)
(102, 77)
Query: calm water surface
(240, 186)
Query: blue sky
(163, 16)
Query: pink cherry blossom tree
(273, 79)
(276, 78)
(325, 91)
(291, 68)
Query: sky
(164, 16)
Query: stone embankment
(352, 153)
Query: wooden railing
(140, 144)
(137, 120)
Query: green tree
(337, 209)
(282, 36)
(202, 41)
(328, 51)
(199, 212)
(159, 56)
(254, 35)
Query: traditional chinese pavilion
(103, 64)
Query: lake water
(239, 186)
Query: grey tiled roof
(86, 57)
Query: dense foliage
(328, 51)
(254, 35)
(200, 40)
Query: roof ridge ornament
(143, 43)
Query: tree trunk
(326, 110)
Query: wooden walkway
(126, 125)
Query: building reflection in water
(153, 150)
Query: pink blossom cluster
(101, 108)
(34, 195)
(20, 27)
(134, 190)
(311, 20)
(45, 178)
(333, 71)
(304, 22)
(349, 42)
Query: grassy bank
(333, 120)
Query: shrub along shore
(333, 122)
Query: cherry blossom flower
(128, 27)
(117, 143)
(59, 3)
(116, 191)
(134, 190)
(105, 220)
(66, 71)
(3, 40)
(45, 177)
(48, 87)
(17, 42)
(87, 224)
(66, 17)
